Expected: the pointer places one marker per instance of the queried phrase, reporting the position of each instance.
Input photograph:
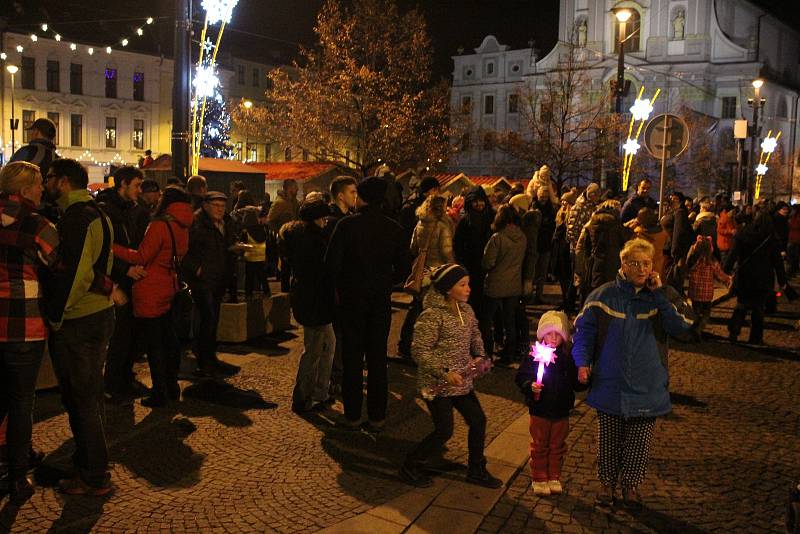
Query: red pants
(548, 445)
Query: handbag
(413, 284)
(182, 304)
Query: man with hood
(303, 243)
(472, 233)
(366, 256)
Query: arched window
(632, 32)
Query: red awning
(293, 170)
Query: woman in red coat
(167, 235)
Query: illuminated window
(111, 132)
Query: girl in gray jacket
(446, 342)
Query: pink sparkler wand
(545, 355)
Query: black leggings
(441, 409)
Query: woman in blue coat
(619, 341)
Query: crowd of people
(143, 269)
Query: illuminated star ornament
(631, 146)
(768, 146)
(545, 355)
(205, 81)
(640, 112)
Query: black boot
(413, 475)
(20, 491)
(478, 475)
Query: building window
(76, 130)
(111, 83)
(256, 77)
(287, 154)
(55, 117)
(728, 107)
(490, 69)
(239, 152)
(28, 73)
(138, 133)
(267, 151)
(513, 103)
(488, 105)
(53, 82)
(632, 33)
(252, 152)
(28, 116)
(138, 86)
(76, 78)
(111, 132)
(240, 72)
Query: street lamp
(756, 103)
(12, 69)
(248, 104)
(622, 15)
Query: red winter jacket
(152, 295)
(726, 229)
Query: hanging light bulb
(44, 27)
(57, 37)
(73, 46)
(108, 50)
(34, 37)
(139, 31)
(91, 50)
(124, 42)
(3, 56)
(149, 20)
(20, 49)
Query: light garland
(87, 156)
(768, 146)
(48, 29)
(640, 112)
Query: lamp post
(622, 15)
(751, 172)
(12, 69)
(248, 104)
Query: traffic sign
(666, 130)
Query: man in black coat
(208, 266)
(367, 255)
(119, 203)
(469, 241)
(640, 199)
(756, 254)
(311, 295)
(682, 237)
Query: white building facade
(701, 53)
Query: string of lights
(48, 31)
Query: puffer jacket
(579, 215)
(440, 233)
(445, 341)
(622, 334)
(502, 261)
(153, 294)
(726, 229)
(705, 224)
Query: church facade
(703, 55)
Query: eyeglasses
(641, 265)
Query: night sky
(274, 28)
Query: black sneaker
(411, 475)
(481, 477)
(372, 427)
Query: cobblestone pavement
(233, 465)
(723, 461)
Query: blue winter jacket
(622, 335)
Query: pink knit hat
(553, 321)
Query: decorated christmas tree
(216, 141)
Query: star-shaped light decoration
(219, 10)
(545, 355)
(631, 146)
(205, 81)
(762, 169)
(641, 109)
(769, 144)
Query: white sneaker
(541, 488)
(555, 486)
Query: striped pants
(623, 449)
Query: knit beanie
(372, 190)
(520, 202)
(428, 183)
(553, 321)
(446, 276)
